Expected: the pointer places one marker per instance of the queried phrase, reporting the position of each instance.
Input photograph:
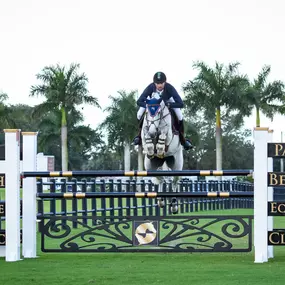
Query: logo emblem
(146, 233)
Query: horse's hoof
(161, 203)
(150, 156)
(174, 209)
(160, 155)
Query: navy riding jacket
(168, 92)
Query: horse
(161, 144)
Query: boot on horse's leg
(138, 140)
(186, 143)
(174, 206)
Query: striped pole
(145, 195)
(102, 173)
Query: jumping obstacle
(262, 194)
(240, 194)
(111, 173)
(262, 222)
(11, 250)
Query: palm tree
(6, 116)
(21, 116)
(63, 89)
(216, 92)
(263, 95)
(120, 123)
(82, 139)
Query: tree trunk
(140, 158)
(127, 156)
(64, 150)
(257, 117)
(218, 140)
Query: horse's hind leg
(178, 165)
(160, 200)
(156, 164)
(174, 203)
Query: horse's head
(155, 109)
(157, 132)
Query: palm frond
(45, 139)
(3, 97)
(37, 90)
(262, 77)
(49, 73)
(71, 71)
(43, 109)
(6, 117)
(273, 91)
(121, 117)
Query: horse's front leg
(149, 146)
(160, 146)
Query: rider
(171, 98)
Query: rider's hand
(155, 95)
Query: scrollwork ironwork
(176, 234)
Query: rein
(161, 119)
(149, 122)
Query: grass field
(147, 268)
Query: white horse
(161, 144)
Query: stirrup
(188, 145)
(137, 140)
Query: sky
(120, 44)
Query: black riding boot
(137, 140)
(186, 143)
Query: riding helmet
(159, 77)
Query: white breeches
(178, 113)
(140, 112)
(176, 110)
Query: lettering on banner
(275, 179)
(276, 150)
(276, 208)
(3, 208)
(276, 237)
(3, 237)
(2, 180)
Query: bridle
(161, 118)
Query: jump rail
(112, 173)
(145, 195)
